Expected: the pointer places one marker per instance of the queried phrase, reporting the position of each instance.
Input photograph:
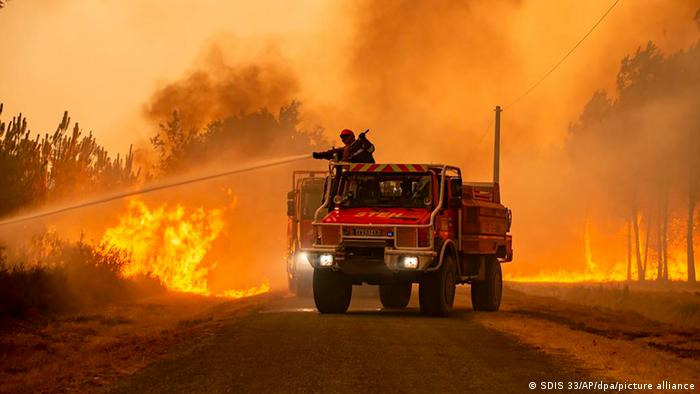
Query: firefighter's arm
(328, 155)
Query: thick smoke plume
(218, 88)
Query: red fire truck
(393, 225)
(302, 203)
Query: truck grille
(361, 251)
(330, 235)
(406, 237)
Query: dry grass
(606, 330)
(64, 277)
(86, 350)
(676, 303)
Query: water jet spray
(152, 188)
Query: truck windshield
(385, 190)
(311, 197)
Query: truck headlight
(410, 262)
(325, 260)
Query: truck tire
(436, 292)
(332, 291)
(486, 294)
(395, 295)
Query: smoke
(219, 87)
(431, 72)
(423, 73)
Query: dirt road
(283, 345)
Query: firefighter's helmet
(347, 132)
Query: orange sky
(102, 60)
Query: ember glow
(170, 244)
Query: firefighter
(358, 150)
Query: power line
(548, 73)
(471, 154)
(150, 189)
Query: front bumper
(359, 259)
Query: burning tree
(646, 141)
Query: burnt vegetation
(64, 276)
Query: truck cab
(303, 201)
(393, 225)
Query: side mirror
(291, 204)
(456, 187)
(455, 201)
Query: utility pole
(497, 146)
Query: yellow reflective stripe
(365, 167)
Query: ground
(279, 343)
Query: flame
(263, 288)
(170, 245)
(617, 270)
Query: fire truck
(394, 225)
(302, 203)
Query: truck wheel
(436, 292)
(332, 291)
(395, 295)
(486, 294)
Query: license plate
(368, 232)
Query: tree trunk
(629, 250)
(691, 223)
(646, 245)
(659, 244)
(638, 249)
(665, 234)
